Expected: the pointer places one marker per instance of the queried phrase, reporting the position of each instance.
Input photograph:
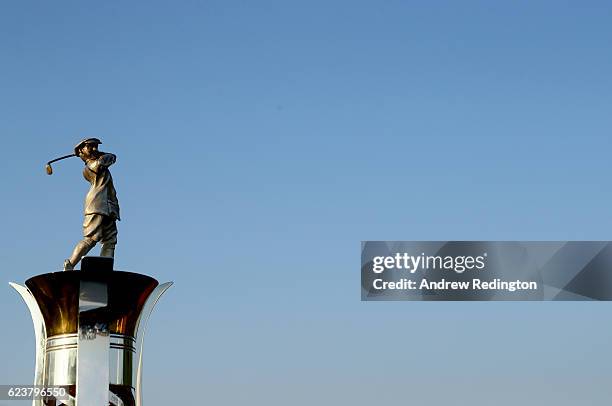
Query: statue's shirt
(102, 197)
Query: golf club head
(49, 169)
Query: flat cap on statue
(86, 141)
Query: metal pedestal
(89, 327)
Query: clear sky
(259, 142)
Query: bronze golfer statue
(101, 204)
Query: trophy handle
(40, 333)
(140, 333)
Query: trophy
(89, 324)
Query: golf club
(50, 169)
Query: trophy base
(90, 326)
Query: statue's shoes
(68, 265)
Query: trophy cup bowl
(89, 328)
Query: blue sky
(259, 142)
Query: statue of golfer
(101, 204)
